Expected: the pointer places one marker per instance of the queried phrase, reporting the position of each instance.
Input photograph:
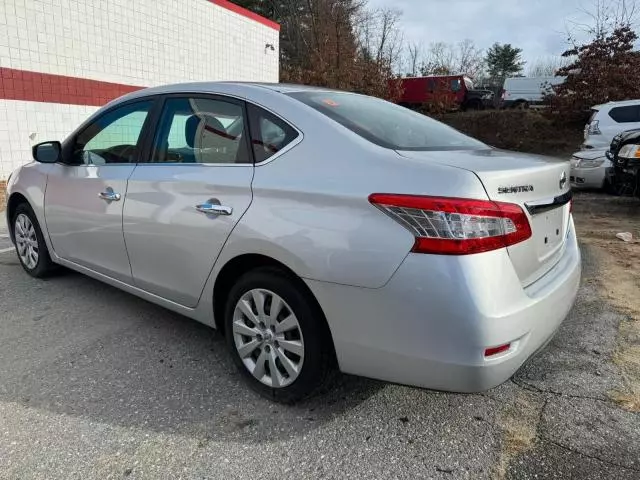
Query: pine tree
(504, 61)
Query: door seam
(224, 244)
(124, 240)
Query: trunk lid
(540, 185)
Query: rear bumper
(589, 177)
(430, 325)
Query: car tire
(474, 105)
(30, 245)
(293, 338)
(608, 188)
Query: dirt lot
(599, 218)
(97, 384)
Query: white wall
(131, 42)
(43, 121)
(136, 42)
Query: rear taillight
(455, 226)
(594, 128)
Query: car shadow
(75, 346)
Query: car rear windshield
(385, 123)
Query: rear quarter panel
(310, 206)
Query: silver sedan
(318, 230)
(589, 169)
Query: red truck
(454, 91)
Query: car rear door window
(386, 124)
(201, 130)
(112, 138)
(269, 134)
(628, 114)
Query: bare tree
(547, 66)
(602, 17)
(414, 53)
(379, 35)
(443, 56)
(463, 58)
(470, 59)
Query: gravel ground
(97, 384)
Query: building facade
(60, 60)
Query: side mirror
(47, 152)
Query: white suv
(608, 120)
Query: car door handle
(110, 196)
(213, 209)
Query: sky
(539, 27)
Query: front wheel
(30, 245)
(474, 105)
(277, 336)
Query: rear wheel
(521, 105)
(30, 245)
(277, 336)
(474, 105)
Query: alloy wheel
(26, 241)
(268, 338)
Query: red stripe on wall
(45, 87)
(246, 13)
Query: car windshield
(385, 123)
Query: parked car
(624, 155)
(314, 228)
(523, 92)
(589, 169)
(608, 120)
(456, 90)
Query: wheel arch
(15, 199)
(236, 267)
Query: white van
(608, 120)
(522, 92)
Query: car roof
(208, 87)
(284, 87)
(616, 104)
(242, 89)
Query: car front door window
(113, 138)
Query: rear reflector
(455, 226)
(490, 352)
